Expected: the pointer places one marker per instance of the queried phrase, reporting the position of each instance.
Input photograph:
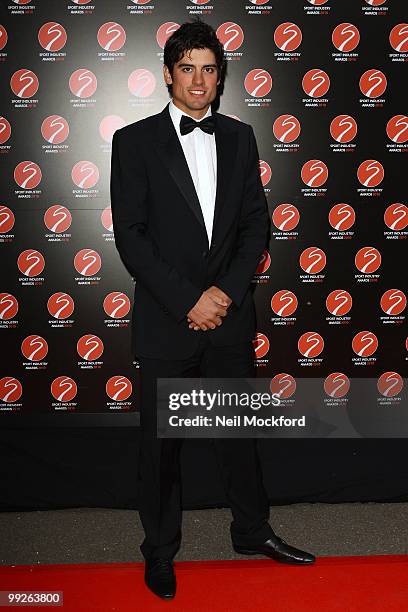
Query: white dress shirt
(201, 156)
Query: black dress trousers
(159, 467)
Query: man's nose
(198, 77)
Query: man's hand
(212, 297)
(219, 296)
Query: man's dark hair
(194, 35)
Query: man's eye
(207, 69)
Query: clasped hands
(207, 313)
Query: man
(190, 222)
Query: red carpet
(345, 584)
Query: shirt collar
(176, 114)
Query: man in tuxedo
(190, 222)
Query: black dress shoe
(160, 577)
(276, 548)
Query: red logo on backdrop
(264, 263)
(284, 303)
(8, 306)
(312, 260)
(343, 128)
(376, 2)
(393, 302)
(6, 219)
(81, 1)
(111, 36)
(286, 217)
(21, 1)
(5, 130)
(373, 83)
(87, 262)
(140, 1)
(261, 345)
(342, 217)
(83, 83)
(55, 129)
(141, 83)
(109, 125)
(314, 173)
(118, 388)
(63, 388)
(201, 1)
(231, 35)
(52, 36)
(3, 37)
(396, 216)
(370, 173)
(258, 82)
(397, 128)
(265, 172)
(57, 218)
(316, 83)
(85, 174)
(399, 37)
(116, 305)
(34, 348)
(337, 384)
(90, 347)
(31, 262)
(165, 31)
(390, 384)
(339, 302)
(345, 37)
(317, 2)
(11, 389)
(259, 1)
(283, 385)
(367, 259)
(310, 344)
(365, 343)
(24, 83)
(27, 175)
(60, 305)
(106, 218)
(286, 128)
(287, 36)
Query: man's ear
(167, 75)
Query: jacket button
(205, 254)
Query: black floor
(93, 535)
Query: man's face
(194, 80)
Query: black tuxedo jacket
(161, 237)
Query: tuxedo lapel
(171, 153)
(226, 144)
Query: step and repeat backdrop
(321, 82)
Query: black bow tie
(187, 125)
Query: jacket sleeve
(253, 231)
(139, 253)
